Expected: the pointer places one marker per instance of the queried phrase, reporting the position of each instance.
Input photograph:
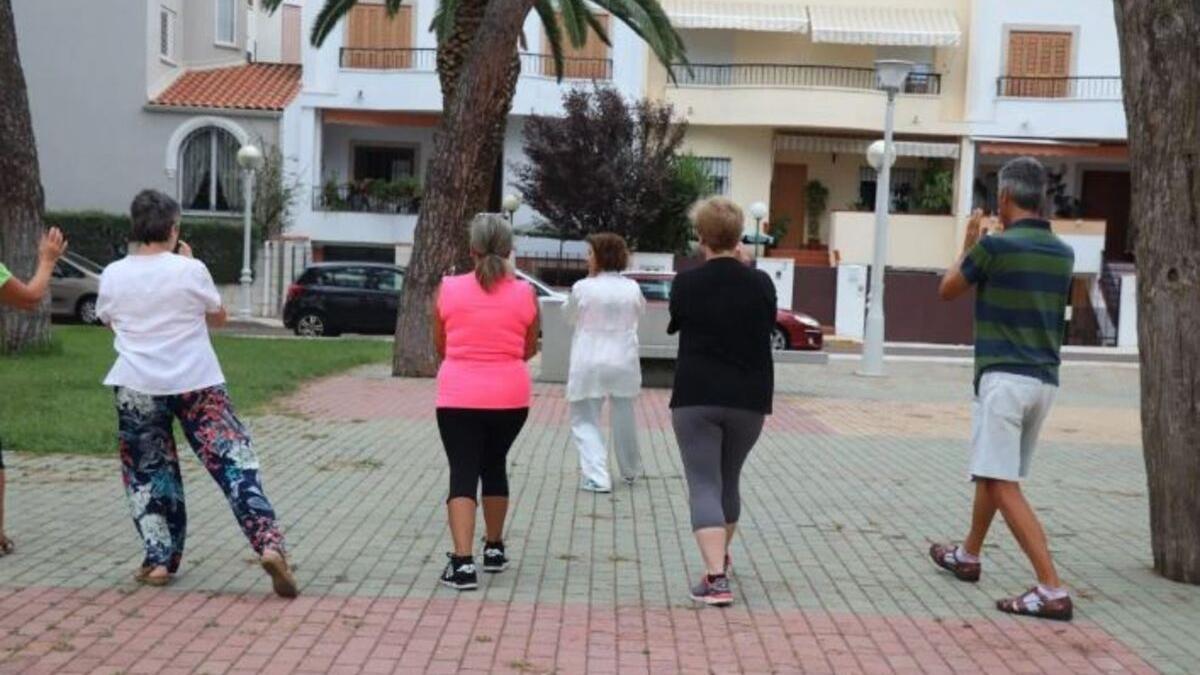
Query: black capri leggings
(477, 443)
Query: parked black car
(353, 297)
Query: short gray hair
(153, 214)
(492, 243)
(1024, 179)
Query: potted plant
(937, 190)
(816, 199)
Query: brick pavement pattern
(852, 479)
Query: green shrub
(103, 237)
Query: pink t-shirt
(485, 343)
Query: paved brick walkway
(851, 481)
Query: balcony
(1078, 88)
(397, 197)
(794, 75)
(425, 60)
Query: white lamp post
(250, 158)
(891, 75)
(758, 211)
(510, 204)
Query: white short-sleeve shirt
(156, 306)
(605, 310)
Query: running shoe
(713, 590)
(494, 560)
(590, 485)
(460, 573)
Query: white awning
(885, 26)
(771, 16)
(858, 146)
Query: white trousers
(589, 439)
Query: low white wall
(921, 241)
(1127, 333)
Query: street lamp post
(758, 211)
(891, 75)
(250, 158)
(510, 204)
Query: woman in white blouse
(604, 309)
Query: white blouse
(604, 310)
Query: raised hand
(974, 229)
(52, 246)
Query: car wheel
(85, 311)
(779, 339)
(311, 324)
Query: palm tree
(478, 53)
(20, 190)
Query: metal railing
(425, 60)
(358, 199)
(794, 75)
(1095, 88)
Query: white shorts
(1008, 414)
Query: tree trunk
(20, 191)
(1160, 64)
(480, 104)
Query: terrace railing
(1093, 88)
(794, 75)
(425, 60)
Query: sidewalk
(852, 479)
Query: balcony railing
(425, 60)
(1095, 88)
(360, 198)
(794, 75)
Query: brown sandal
(143, 576)
(282, 579)
(944, 557)
(1034, 603)
(6, 546)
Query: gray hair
(153, 214)
(492, 243)
(1024, 180)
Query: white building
(370, 103)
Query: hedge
(103, 237)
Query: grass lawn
(54, 402)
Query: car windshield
(84, 263)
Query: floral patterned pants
(150, 468)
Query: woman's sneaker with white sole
(713, 590)
(460, 573)
(494, 559)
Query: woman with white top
(605, 308)
(160, 302)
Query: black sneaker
(713, 590)
(494, 560)
(460, 573)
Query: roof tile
(253, 86)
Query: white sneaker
(590, 485)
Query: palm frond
(392, 7)
(573, 21)
(328, 18)
(547, 12)
(443, 18)
(271, 5)
(598, 28)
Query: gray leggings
(714, 442)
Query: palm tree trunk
(479, 106)
(1160, 67)
(21, 198)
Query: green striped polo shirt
(1023, 280)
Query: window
(589, 62)
(386, 280)
(1039, 64)
(376, 40)
(720, 170)
(387, 163)
(166, 34)
(903, 183)
(345, 277)
(209, 179)
(227, 22)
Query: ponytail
(491, 242)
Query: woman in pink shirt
(485, 329)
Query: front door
(788, 183)
(1106, 195)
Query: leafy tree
(21, 197)
(478, 66)
(605, 166)
(1161, 78)
(671, 231)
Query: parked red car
(793, 330)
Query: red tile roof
(254, 86)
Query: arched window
(208, 171)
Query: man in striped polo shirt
(1022, 276)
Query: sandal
(1035, 603)
(145, 575)
(6, 546)
(282, 579)
(944, 557)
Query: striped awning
(884, 26)
(858, 146)
(771, 16)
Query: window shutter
(1039, 63)
(589, 62)
(379, 41)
